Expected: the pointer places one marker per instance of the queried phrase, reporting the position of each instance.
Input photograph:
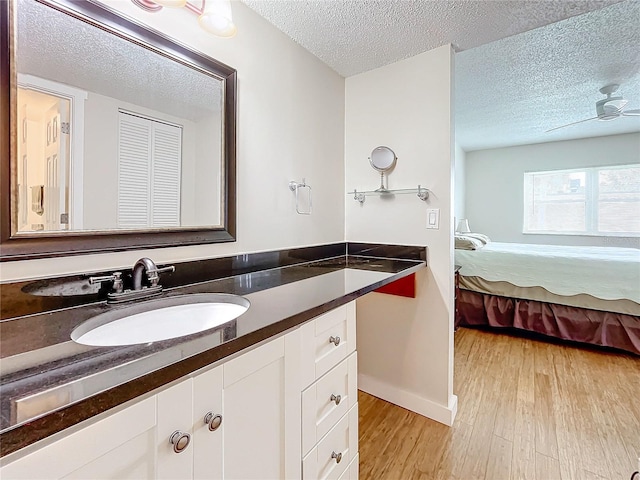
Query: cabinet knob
(336, 456)
(180, 441)
(334, 340)
(336, 398)
(213, 421)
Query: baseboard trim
(440, 413)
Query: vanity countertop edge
(282, 298)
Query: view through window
(586, 201)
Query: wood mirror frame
(14, 247)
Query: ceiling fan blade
(630, 113)
(569, 124)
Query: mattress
(604, 273)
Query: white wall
(290, 125)
(405, 346)
(204, 210)
(494, 184)
(459, 185)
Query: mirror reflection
(111, 135)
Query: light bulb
(171, 3)
(217, 18)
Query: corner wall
(290, 126)
(495, 184)
(405, 346)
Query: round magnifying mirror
(383, 159)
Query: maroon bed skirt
(606, 329)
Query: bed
(583, 294)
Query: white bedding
(603, 272)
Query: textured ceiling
(511, 91)
(354, 36)
(58, 47)
(522, 67)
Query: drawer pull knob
(213, 421)
(336, 398)
(179, 440)
(337, 456)
(334, 340)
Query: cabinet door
(175, 418)
(262, 412)
(208, 425)
(120, 446)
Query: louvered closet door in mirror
(149, 172)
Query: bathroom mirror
(383, 159)
(114, 137)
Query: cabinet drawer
(327, 400)
(342, 442)
(327, 340)
(353, 472)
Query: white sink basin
(161, 319)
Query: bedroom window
(587, 201)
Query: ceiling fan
(608, 108)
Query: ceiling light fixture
(214, 16)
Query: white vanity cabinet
(243, 419)
(330, 396)
(190, 413)
(255, 416)
(133, 443)
(262, 411)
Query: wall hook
(422, 193)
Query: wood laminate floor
(526, 410)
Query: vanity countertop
(50, 383)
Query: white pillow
(465, 242)
(479, 236)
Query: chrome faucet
(144, 266)
(148, 267)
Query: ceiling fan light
(171, 3)
(217, 18)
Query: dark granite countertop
(49, 382)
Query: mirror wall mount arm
(24, 247)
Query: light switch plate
(433, 218)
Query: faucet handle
(115, 277)
(154, 275)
